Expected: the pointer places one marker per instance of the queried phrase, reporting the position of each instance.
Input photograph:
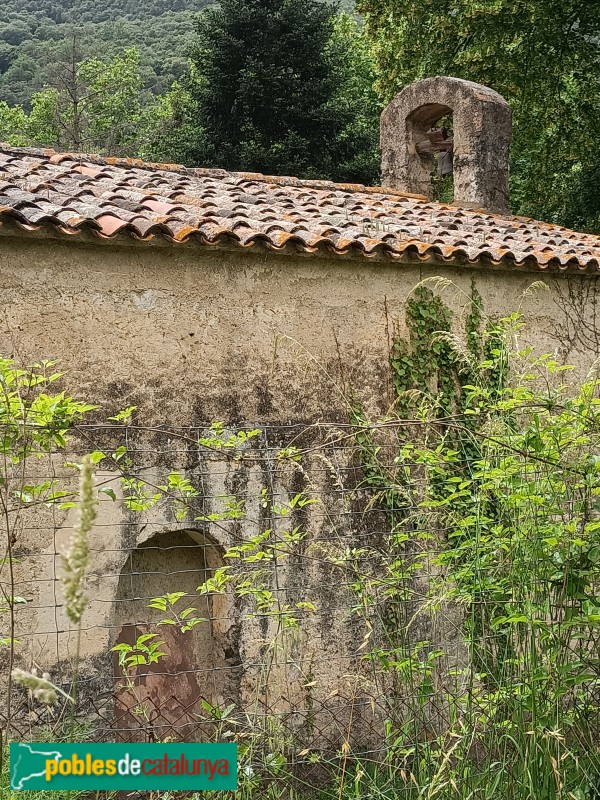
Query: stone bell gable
(482, 134)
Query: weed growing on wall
(493, 502)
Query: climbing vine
(486, 471)
(431, 360)
(429, 368)
(425, 361)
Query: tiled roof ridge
(58, 156)
(129, 201)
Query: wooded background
(297, 86)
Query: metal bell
(445, 165)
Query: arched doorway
(161, 698)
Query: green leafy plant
(142, 653)
(494, 529)
(34, 422)
(182, 618)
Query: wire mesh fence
(339, 599)
(139, 554)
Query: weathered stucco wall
(190, 336)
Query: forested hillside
(34, 34)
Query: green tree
(92, 105)
(542, 55)
(98, 103)
(168, 125)
(274, 90)
(357, 148)
(38, 127)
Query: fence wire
(299, 595)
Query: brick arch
(482, 133)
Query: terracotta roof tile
(70, 193)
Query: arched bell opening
(158, 697)
(430, 132)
